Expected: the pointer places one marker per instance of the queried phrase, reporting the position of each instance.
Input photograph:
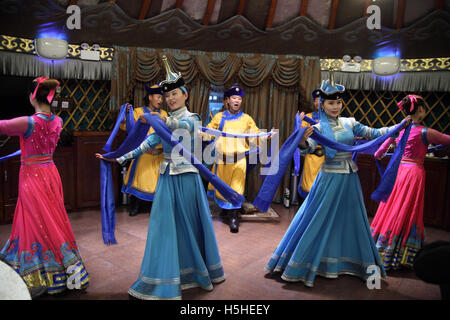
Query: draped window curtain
(273, 86)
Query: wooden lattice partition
(379, 109)
(89, 109)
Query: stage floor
(113, 269)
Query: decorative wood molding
(21, 45)
(407, 65)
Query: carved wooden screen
(379, 109)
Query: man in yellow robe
(313, 162)
(143, 172)
(231, 163)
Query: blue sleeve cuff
(30, 127)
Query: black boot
(223, 213)
(134, 206)
(234, 221)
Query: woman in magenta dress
(41, 248)
(397, 227)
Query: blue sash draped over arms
(380, 164)
(130, 124)
(270, 184)
(136, 136)
(233, 135)
(298, 124)
(280, 163)
(389, 175)
(164, 133)
(12, 155)
(219, 133)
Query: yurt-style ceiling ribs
(324, 28)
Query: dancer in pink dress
(41, 248)
(397, 227)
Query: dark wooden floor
(113, 269)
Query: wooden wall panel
(435, 196)
(11, 169)
(88, 168)
(437, 187)
(63, 159)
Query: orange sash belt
(37, 159)
(412, 161)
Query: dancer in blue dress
(330, 234)
(181, 250)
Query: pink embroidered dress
(42, 246)
(397, 227)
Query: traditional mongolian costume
(181, 250)
(41, 247)
(330, 234)
(230, 154)
(397, 227)
(143, 172)
(313, 161)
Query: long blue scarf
(219, 133)
(12, 155)
(129, 125)
(277, 169)
(107, 204)
(271, 182)
(136, 136)
(214, 132)
(298, 124)
(165, 134)
(389, 175)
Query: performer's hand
(142, 118)
(163, 118)
(408, 120)
(301, 115)
(308, 133)
(273, 134)
(99, 156)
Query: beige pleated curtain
(273, 86)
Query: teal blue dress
(330, 234)
(181, 250)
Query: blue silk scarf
(107, 204)
(278, 166)
(165, 134)
(256, 150)
(12, 155)
(271, 182)
(136, 136)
